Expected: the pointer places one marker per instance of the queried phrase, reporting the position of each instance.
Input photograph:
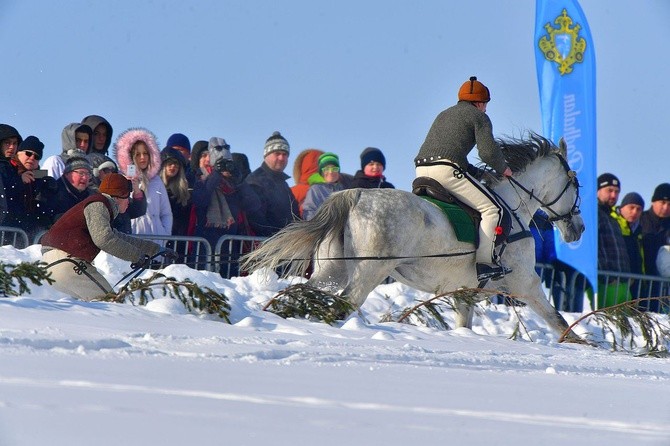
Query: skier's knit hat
(77, 162)
(276, 143)
(328, 159)
(179, 140)
(372, 154)
(632, 198)
(33, 144)
(662, 192)
(608, 179)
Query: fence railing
(13, 236)
(566, 289)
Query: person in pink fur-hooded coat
(138, 147)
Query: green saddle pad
(463, 225)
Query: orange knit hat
(115, 185)
(474, 91)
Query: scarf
(218, 211)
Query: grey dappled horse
(360, 236)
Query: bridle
(572, 180)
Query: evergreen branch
(307, 302)
(194, 297)
(626, 317)
(35, 272)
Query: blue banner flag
(566, 75)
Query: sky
(81, 373)
(339, 76)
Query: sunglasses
(331, 169)
(31, 154)
(226, 146)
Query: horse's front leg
(538, 302)
(463, 314)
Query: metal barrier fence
(228, 251)
(195, 252)
(566, 289)
(13, 236)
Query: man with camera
(224, 204)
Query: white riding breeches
(470, 191)
(75, 277)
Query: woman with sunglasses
(29, 196)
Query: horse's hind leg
(364, 277)
(328, 273)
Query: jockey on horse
(443, 157)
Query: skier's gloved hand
(143, 263)
(169, 254)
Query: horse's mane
(519, 153)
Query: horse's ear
(563, 148)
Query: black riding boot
(488, 271)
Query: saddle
(433, 191)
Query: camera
(225, 165)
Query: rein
(430, 256)
(572, 179)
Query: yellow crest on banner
(563, 44)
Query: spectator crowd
(204, 189)
(207, 190)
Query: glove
(169, 254)
(143, 263)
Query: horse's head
(545, 176)
(563, 206)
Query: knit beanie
(607, 179)
(115, 185)
(98, 162)
(170, 153)
(276, 143)
(179, 140)
(32, 143)
(632, 198)
(474, 91)
(662, 192)
(77, 162)
(372, 154)
(328, 159)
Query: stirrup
(486, 272)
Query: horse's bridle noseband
(572, 179)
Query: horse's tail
(292, 247)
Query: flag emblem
(563, 44)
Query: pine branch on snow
(194, 297)
(19, 274)
(307, 302)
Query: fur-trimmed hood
(306, 165)
(126, 140)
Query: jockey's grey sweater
(454, 134)
(123, 246)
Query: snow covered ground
(77, 373)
